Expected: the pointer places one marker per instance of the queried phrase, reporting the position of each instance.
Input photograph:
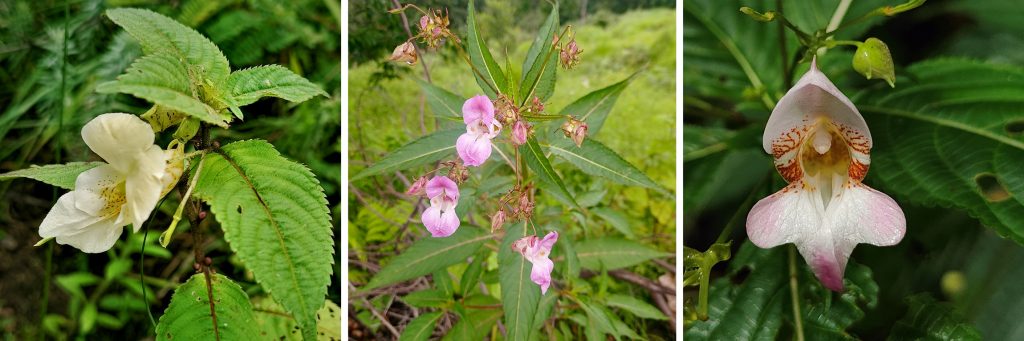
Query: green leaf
(616, 219)
(541, 62)
(62, 175)
(188, 317)
(162, 36)
(443, 282)
(595, 159)
(274, 324)
(471, 276)
(539, 163)
(475, 323)
(635, 307)
(490, 76)
(927, 319)
(519, 295)
(163, 80)
(420, 328)
(275, 217)
(946, 138)
(613, 253)
(442, 102)
(248, 85)
(594, 107)
(598, 320)
(430, 254)
(422, 151)
(87, 320)
(427, 298)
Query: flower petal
(65, 218)
(96, 191)
(478, 108)
(118, 138)
(440, 224)
(144, 186)
(813, 97)
(783, 217)
(541, 273)
(95, 238)
(862, 214)
(442, 184)
(473, 149)
(548, 242)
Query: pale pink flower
(474, 147)
(440, 218)
(821, 146)
(520, 132)
(536, 251)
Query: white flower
(123, 191)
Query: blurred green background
(47, 92)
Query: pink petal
(446, 225)
(478, 108)
(541, 273)
(782, 217)
(442, 184)
(548, 242)
(473, 149)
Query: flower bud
(536, 106)
(497, 220)
(525, 209)
(405, 53)
(520, 132)
(579, 134)
(570, 55)
(505, 110)
(459, 173)
(873, 60)
(765, 17)
(417, 188)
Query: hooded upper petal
(478, 108)
(442, 185)
(473, 149)
(118, 139)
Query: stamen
(822, 140)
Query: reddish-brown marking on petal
(858, 170)
(791, 172)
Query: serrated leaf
(519, 295)
(427, 298)
(595, 159)
(188, 317)
(944, 139)
(594, 107)
(249, 85)
(422, 151)
(62, 175)
(164, 80)
(490, 77)
(539, 163)
(927, 319)
(541, 62)
(160, 35)
(430, 254)
(275, 217)
(613, 253)
(635, 307)
(420, 328)
(274, 324)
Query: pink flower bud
(579, 134)
(497, 220)
(520, 132)
(405, 53)
(417, 188)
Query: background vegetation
(947, 148)
(386, 110)
(52, 55)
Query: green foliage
(539, 68)
(422, 151)
(165, 81)
(932, 320)
(62, 176)
(274, 324)
(487, 72)
(635, 306)
(189, 315)
(595, 159)
(248, 85)
(613, 253)
(428, 255)
(539, 163)
(421, 327)
(274, 216)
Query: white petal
(860, 214)
(812, 97)
(143, 187)
(65, 218)
(118, 138)
(97, 187)
(95, 238)
(784, 216)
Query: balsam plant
(493, 158)
(272, 211)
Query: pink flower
(536, 251)
(440, 218)
(821, 146)
(417, 188)
(520, 132)
(474, 147)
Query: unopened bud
(765, 17)
(505, 110)
(525, 206)
(405, 53)
(579, 134)
(459, 173)
(520, 132)
(497, 220)
(536, 106)
(417, 188)
(570, 55)
(873, 60)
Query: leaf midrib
(603, 167)
(946, 123)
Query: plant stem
(794, 293)
(787, 80)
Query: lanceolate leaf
(519, 295)
(422, 151)
(160, 35)
(614, 253)
(62, 176)
(541, 63)
(490, 76)
(248, 85)
(595, 159)
(475, 323)
(946, 137)
(164, 80)
(421, 327)
(275, 217)
(442, 102)
(430, 254)
(594, 107)
(539, 163)
(188, 317)
(635, 307)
